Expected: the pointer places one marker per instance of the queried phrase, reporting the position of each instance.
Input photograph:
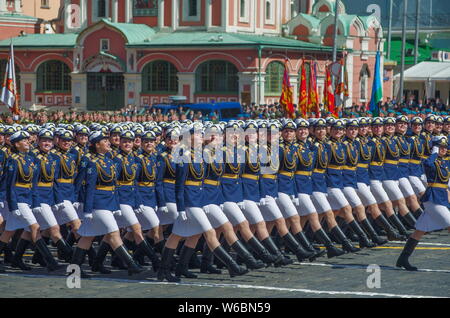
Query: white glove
(435, 150)
(118, 213)
(2, 205)
(241, 205)
(36, 210)
(183, 216)
(296, 201)
(206, 209)
(292, 197)
(17, 212)
(76, 205)
(221, 207)
(140, 209)
(262, 202)
(58, 206)
(88, 216)
(164, 209)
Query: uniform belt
(424, 157)
(363, 165)
(287, 173)
(403, 160)
(45, 184)
(447, 158)
(334, 167)
(23, 185)
(212, 182)
(438, 185)
(416, 162)
(319, 171)
(193, 183)
(348, 168)
(125, 183)
(105, 188)
(230, 176)
(269, 176)
(378, 164)
(303, 173)
(64, 180)
(171, 181)
(146, 184)
(391, 162)
(250, 176)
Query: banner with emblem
(9, 89)
(303, 94)
(342, 92)
(286, 98)
(313, 100)
(328, 94)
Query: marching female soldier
(192, 221)
(99, 205)
(20, 170)
(307, 211)
(436, 215)
(417, 154)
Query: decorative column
(293, 78)
(128, 11)
(175, 15)
(208, 14)
(17, 7)
(160, 14)
(115, 11)
(3, 6)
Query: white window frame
(186, 16)
(45, 4)
(244, 18)
(272, 12)
(94, 6)
(101, 45)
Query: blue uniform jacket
(251, 174)
(147, 177)
(352, 159)
(168, 167)
(47, 171)
(378, 150)
(19, 178)
(405, 154)
(268, 183)
(288, 166)
(231, 179)
(365, 156)
(64, 185)
(437, 172)
(305, 164)
(417, 155)
(189, 185)
(338, 158)
(126, 169)
(213, 176)
(322, 158)
(392, 158)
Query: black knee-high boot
(50, 262)
(159, 246)
(371, 232)
(183, 263)
(332, 251)
(403, 260)
(144, 249)
(342, 239)
(363, 239)
(233, 268)
(123, 254)
(78, 257)
(246, 256)
(2, 248)
(273, 249)
(166, 263)
(303, 240)
(20, 250)
(296, 248)
(97, 265)
(64, 250)
(207, 266)
(261, 251)
(398, 224)
(392, 234)
(71, 239)
(418, 213)
(410, 220)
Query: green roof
(42, 40)
(17, 16)
(134, 33)
(312, 19)
(396, 51)
(225, 39)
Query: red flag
(9, 90)
(286, 99)
(303, 94)
(328, 94)
(313, 102)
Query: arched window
(217, 77)
(274, 78)
(363, 82)
(243, 11)
(268, 10)
(3, 64)
(101, 9)
(159, 76)
(53, 76)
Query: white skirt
(365, 194)
(405, 187)
(168, 217)
(252, 212)
(417, 185)
(127, 217)
(215, 215)
(435, 217)
(337, 199)
(102, 222)
(286, 205)
(270, 211)
(392, 190)
(197, 222)
(66, 213)
(352, 197)
(305, 207)
(233, 213)
(45, 217)
(320, 201)
(23, 221)
(376, 187)
(148, 218)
